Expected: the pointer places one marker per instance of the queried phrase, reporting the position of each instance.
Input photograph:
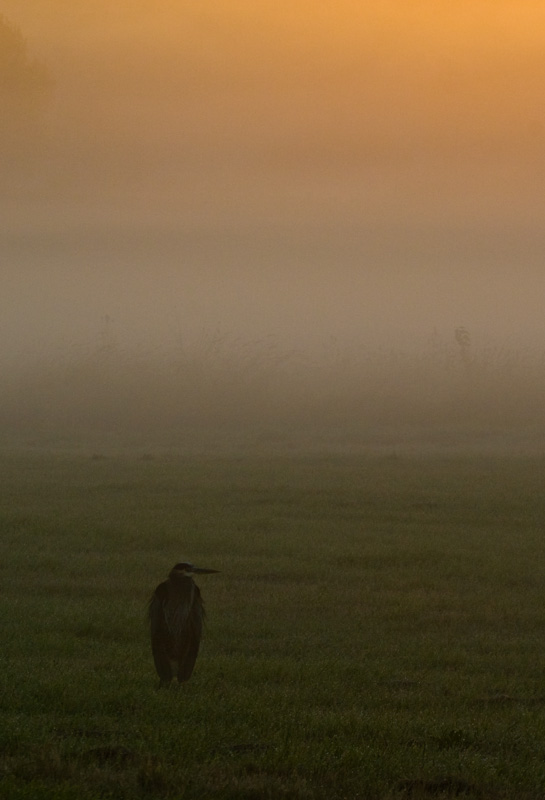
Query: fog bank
(339, 187)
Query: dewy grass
(375, 631)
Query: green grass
(377, 629)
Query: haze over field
(298, 183)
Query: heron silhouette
(176, 615)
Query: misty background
(278, 222)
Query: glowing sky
(346, 167)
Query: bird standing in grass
(176, 615)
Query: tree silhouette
(24, 87)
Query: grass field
(377, 629)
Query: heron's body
(176, 615)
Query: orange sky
(395, 147)
(312, 88)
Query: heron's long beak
(202, 571)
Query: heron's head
(184, 569)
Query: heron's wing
(178, 611)
(189, 648)
(161, 639)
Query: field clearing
(377, 629)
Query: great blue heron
(176, 615)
